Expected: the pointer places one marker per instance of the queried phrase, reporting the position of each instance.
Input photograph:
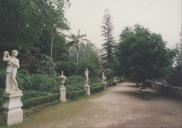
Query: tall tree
(143, 55)
(29, 25)
(88, 58)
(108, 45)
(76, 39)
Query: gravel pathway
(118, 107)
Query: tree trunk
(51, 50)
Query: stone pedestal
(62, 94)
(13, 112)
(105, 85)
(87, 90)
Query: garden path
(118, 107)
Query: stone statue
(87, 76)
(86, 86)
(62, 78)
(11, 71)
(103, 78)
(62, 88)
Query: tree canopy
(142, 54)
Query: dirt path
(119, 107)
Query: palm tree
(76, 40)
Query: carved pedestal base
(87, 89)
(105, 85)
(62, 94)
(13, 112)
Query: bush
(2, 78)
(40, 100)
(43, 82)
(69, 68)
(175, 79)
(1, 97)
(75, 83)
(29, 94)
(96, 87)
(42, 65)
(72, 95)
(24, 80)
(38, 89)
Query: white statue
(63, 78)
(103, 77)
(11, 71)
(87, 76)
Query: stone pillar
(87, 89)
(13, 112)
(62, 94)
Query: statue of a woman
(87, 75)
(11, 71)
(103, 77)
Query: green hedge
(72, 95)
(1, 97)
(52, 97)
(96, 89)
(75, 83)
(38, 89)
(40, 100)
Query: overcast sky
(160, 16)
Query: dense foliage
(175, 78)
(29, 26)
(143, 55)
(88, 58)
(38, 88)
(76, 39)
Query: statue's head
(14, 52)
(62, 72)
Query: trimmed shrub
(72, 95)
(40, 100)
(96, 87)
(29, 94)
(75, 83)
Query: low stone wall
(171, 89)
